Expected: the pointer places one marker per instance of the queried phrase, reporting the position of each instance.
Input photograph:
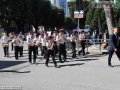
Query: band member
(62, 51)
(37, 42)
(16, 43)
(5, 42)
(73, 39)
(44, 40)
(54, 38)
(28, 35)
(50, 50)
(82, 41)
(21, 46)
(41, 37)
(31, 46)
(22, 36)
(11, 36)
(114, 46)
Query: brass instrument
(10, 36)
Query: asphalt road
(90, 73)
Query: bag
(104, 45)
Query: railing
(68, 43)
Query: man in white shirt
(73, 39)
(5, 42)
(31, 48)
(22, 36)
(50, 50)
(82, 41)
(41, 37)
(44, 40)
(37, 41)
(16, 43)
(21, 46)
(62, 50)
(54, 38)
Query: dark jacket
(113, 42)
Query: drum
(38, 44)
(5, 45)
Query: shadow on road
(6, 64)
(14, 71)
(77, 64)
(116, 65)
(83, 60)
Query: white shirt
(31, 41)
(21, 42)
(43, 40)
(40, 37)
(54, 36)
(21, 35)
(36, 40)
(28, 36)
(82, 37)
(5, 39)
(50, 45)
(16, 43)
(72, 38)
(62, 41)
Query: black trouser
(55, 48)
(32, 48)
(36, 47)
(83, 47)
(6, 51)
(16, 50)
(111, 54)
(73, 49)
(62, 51)
(50, 52)
(21, 50)
(44, 51)
(11, 45)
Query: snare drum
(5, 45)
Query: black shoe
(110, 66)
(5, 56)
(57, 66)
(30, 63)
(46, 65)
(61, 61)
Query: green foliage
(69, 23)
(36, 12)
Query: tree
(71, 7)
(5, 17)
(94, 23)
(57, 17)
(69, 23)
(109, 17)
(40, 13)
(89, 15)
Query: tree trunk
(109, 17)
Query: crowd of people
(47, 43)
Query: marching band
(49, 45)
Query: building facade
(61, 3)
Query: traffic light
(79, 4)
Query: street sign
(78, 14)
(87, 25)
